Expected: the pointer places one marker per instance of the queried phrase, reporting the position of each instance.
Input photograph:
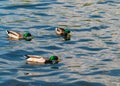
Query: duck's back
(36, 59)
(14, 35)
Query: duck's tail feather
(27, 56)
(56, 29)
(7, 31)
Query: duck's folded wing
(12, 32)
(33, 56)
(35, 59)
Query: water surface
(90, 58)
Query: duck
(36, 59)
(65, 33)
(18, 36)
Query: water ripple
(110, 72)
(25, 6)
(85, 40)
(80, 83)
(91, 49)
(109, 2)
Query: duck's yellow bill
(58, 60)
(70, 34)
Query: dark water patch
(91, 28)
(3, 0)
(91, 53)
(10, 14)
(4, 44)
(80, 11)
(71, 79)
(115, 72)
(82, 30)
(14, 82)
(90, 48)
(102, 12)
(101, 64)
(97, 72)
(79, 55)
(99, 27)
(68, 57)
(51, 47)
(43, 14)
(115, 50)
(42, 8)
(40, 52)
(69, 6)
(88, 4)
(47, 37)
(25, 6)
(94, 68)
(30, 67)
(5, 73)
(85, 40)
(70, 42)
(53, 74)
(95, 16)
(74, 71)
(59, 3)
(84, 83)
(105, 37)
(111, 43)
(14, 55)
(114, 19)
(64, 43)
(64, 76)
(24, 78)
(5, 27)
(3, 14)
(51, 28)
(54, 67)
(31, 75)
(44, 1)
(108, 2)
(39, 27)
(41, 68)
(2, 63)
(74, 66)
(107, 60)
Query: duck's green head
(67, 35)
(67, 31)
(54, 59)
(27, 36)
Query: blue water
(90, 58)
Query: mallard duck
(65, 33)
(17, 36)
(35, 59)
